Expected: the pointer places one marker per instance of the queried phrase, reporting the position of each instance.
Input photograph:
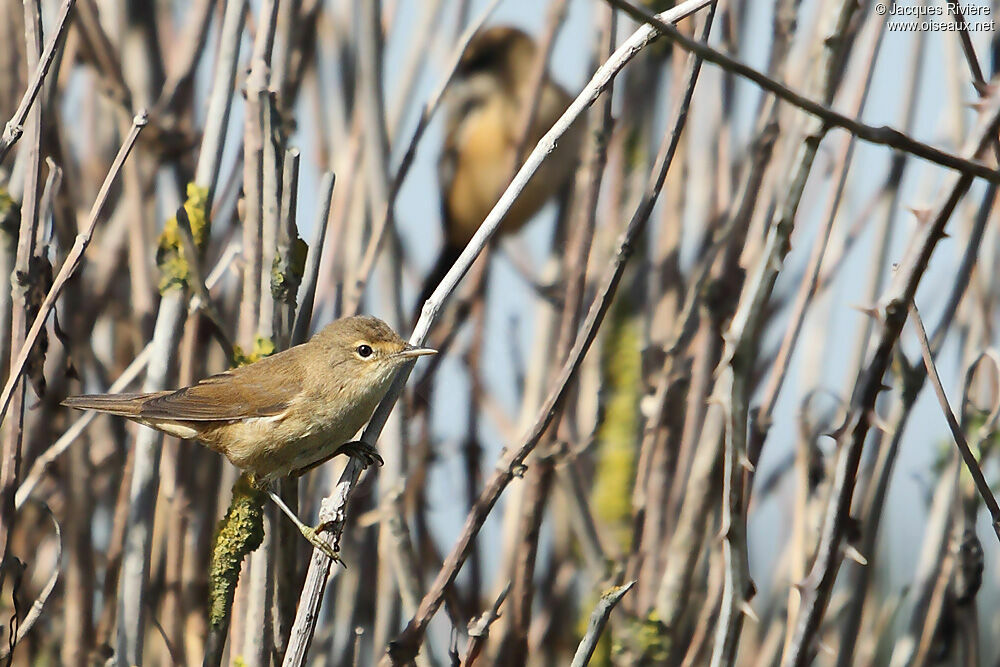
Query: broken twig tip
(850, 551)
(749, 612)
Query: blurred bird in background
(485, 104)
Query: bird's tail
(124, 405)
(449, 254)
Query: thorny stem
(884, 135)
(818, 586)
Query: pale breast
(484, 163)
(483, 158)
(274, 447)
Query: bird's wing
(462, 100)
(447, 165)
(262, 389)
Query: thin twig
(25, 625)
(220, 99)
(807, 290)
(479, 628)
(14, 128)
(71, 263)
(303, 316)
(178, 86)
(598, 619)
(956, 431)
(955, 10)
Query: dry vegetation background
(682, 433)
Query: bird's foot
(312, 534)
(362, 451)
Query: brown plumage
(485, 103)
(285, 413)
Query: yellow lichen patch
(10, 212)
(262, 347)
(618, 434)
(239, 533)
(650, 640)
(617, 437)
(174, 268)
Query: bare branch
(71, 264)
(956, 431)
(598, 619)
(25, 625)
(892, 313)
(14, 128)
(333, 514)
(884, 135)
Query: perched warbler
(286, 413)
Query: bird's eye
(364, 351)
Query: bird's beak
(413, 351)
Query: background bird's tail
(125, 405)
(449, 254)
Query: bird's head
(365, 352)
(500, 52)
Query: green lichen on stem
(619, 430)
(10, 212)
(262, 347)
(174, 269)
(645, 640)
(287, 270)
(616, 438)
(239, 533)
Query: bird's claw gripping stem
(312, 534)
(362, 451)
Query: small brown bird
(286, 413)
(485, 103)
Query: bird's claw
(362, 451)
(312, 534)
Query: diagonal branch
(963, 446)
(884, 135)
(15, 126)
(598, 619)
(72, 263)
(511, 464)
